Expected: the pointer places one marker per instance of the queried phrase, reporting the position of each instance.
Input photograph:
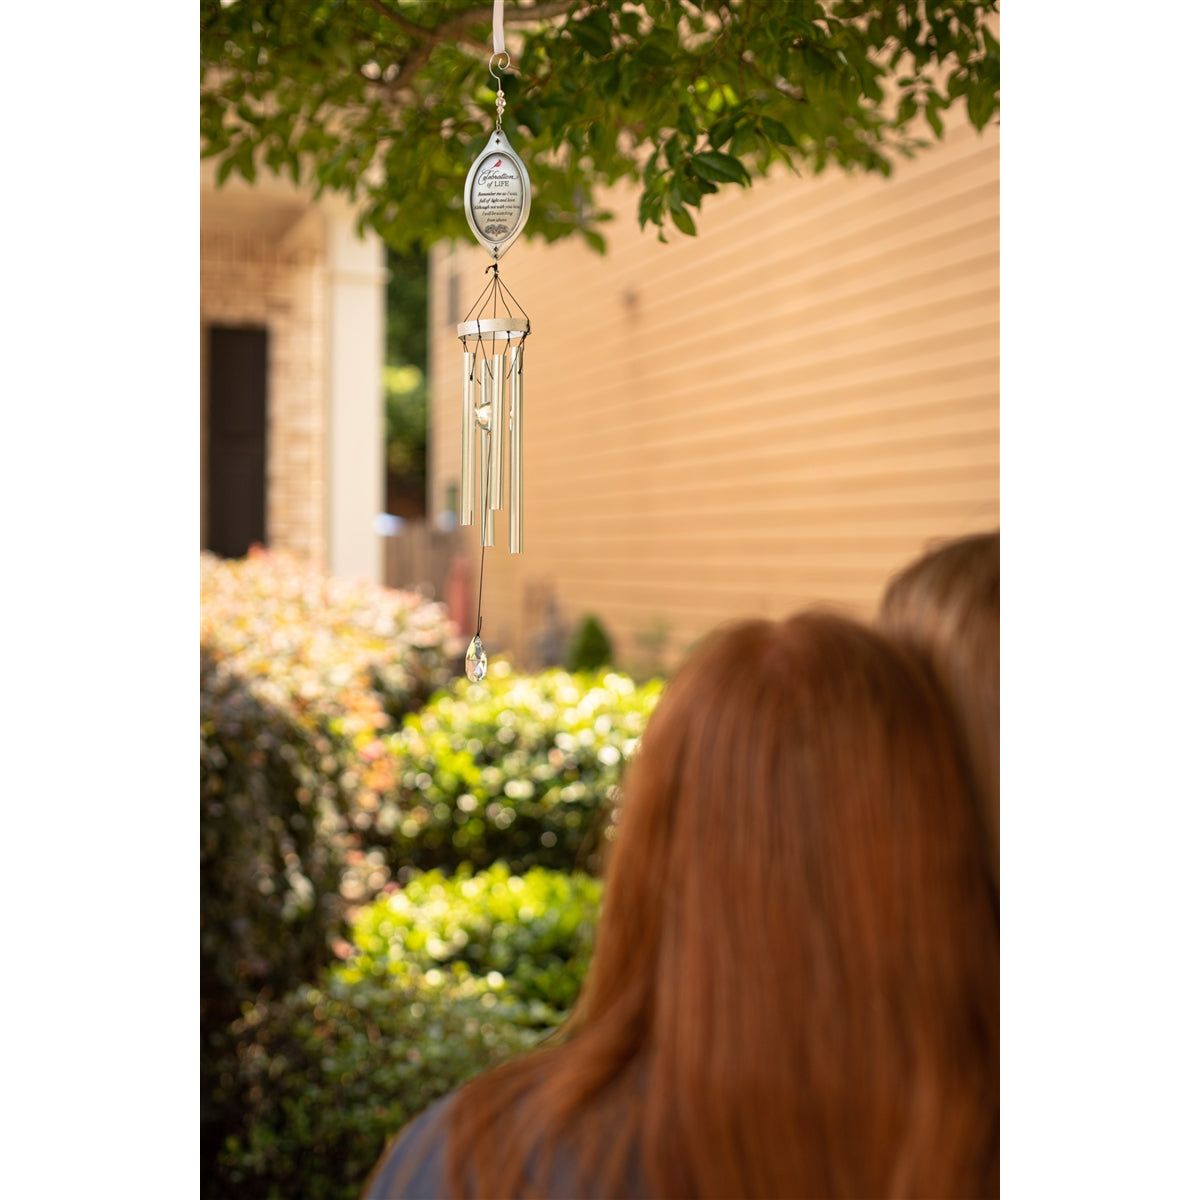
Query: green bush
(446, 978)
(516, 768)
(268, 875)
(534, 931)
(326, 1075)
(269, 872)
(591, 647)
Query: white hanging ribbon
(498, 27)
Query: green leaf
(777, 131)
(593, 33)
(650, 209)
(689, 190)
(718, 167)
(980, 105)
(654, 56)
(745, 140)
(934, 119)
(629, 23)
(683, 222)
(721, 131)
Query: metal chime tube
(487, 516)
(496, 466)
(516, 461)
(466, 497)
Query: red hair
(795, 990)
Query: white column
(357, 299)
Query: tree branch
(417, 31)
(455, 29)
(517, 15)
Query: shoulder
(413, 1167)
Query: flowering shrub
(517, 768)
(341, 657)
(301, 679)
(447, 977)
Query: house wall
(779, 412)
(271, 257)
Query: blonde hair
(947, 605)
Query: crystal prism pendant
(476, 660)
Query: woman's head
(795, 983)
(947, 605)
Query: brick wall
(254, 278)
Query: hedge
(518, 768)
(445, 978)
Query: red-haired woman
(795, 986)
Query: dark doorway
(237, 440)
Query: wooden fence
(419, 557)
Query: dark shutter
(237, 440)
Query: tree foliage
(390, 100)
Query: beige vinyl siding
(779, 412)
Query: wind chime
(496, 200)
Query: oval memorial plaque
(496, 196)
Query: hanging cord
(498, 53)
(511, 297)
(481, 295)
(495, 293)
(479, 599)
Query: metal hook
(492, 64)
